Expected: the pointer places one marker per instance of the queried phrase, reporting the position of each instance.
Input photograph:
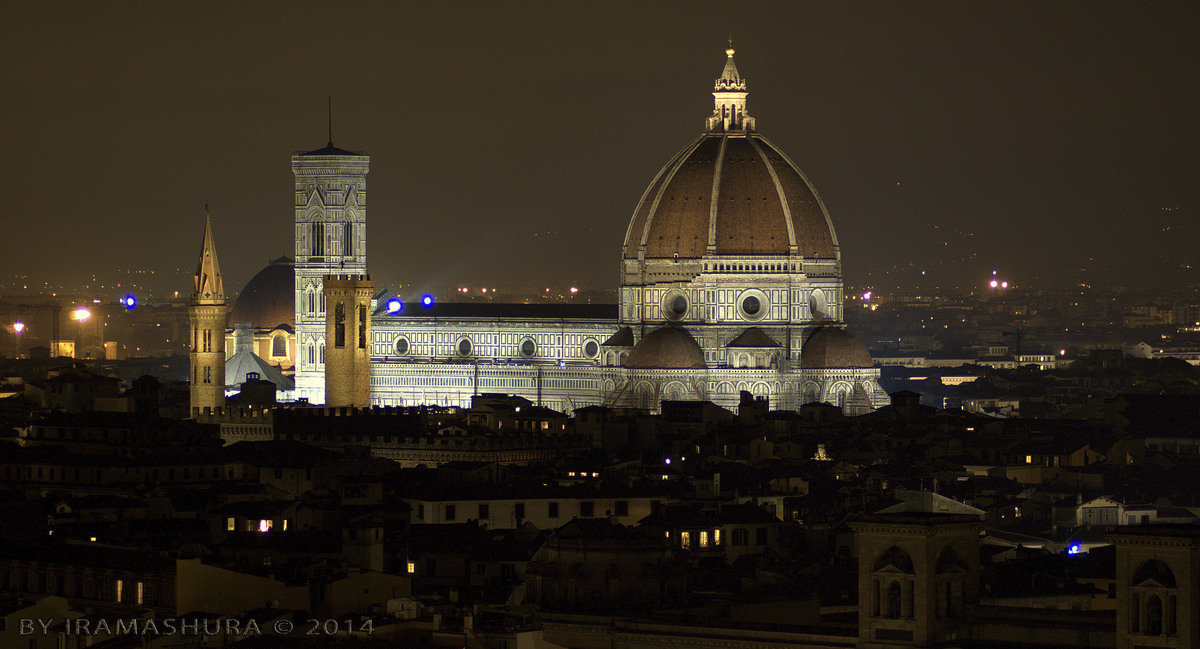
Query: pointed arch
(339, 325)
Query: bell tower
(331, 239)
(207, 314)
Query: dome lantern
(729, 99)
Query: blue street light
(427, 300)
(394, 305)
(129, 302)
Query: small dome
(834, 348)
(668, 348)
(269, 298)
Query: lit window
(285, 524)
(230, 524)
(685, 540)
(140, 592)
(264, 525)
(1028, 459)
(412, 567)
(571, 474)
(704, 539)
(120, 589)
(716, 537)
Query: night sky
(510, 142)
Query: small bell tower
(207, 314)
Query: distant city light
(81, 314)
(667, 461)
(427, 300)
(1062, 352)
(1003, 284)
(18, 327)
(866, 296)
(574, 289)
(394, 305)
(129, 302)
(994, 283)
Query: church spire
(729, 99)
(209, 289)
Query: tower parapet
(348, 340)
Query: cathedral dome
(667, 348)
(269, 298)
(730, 192)
(831, 347)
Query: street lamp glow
(81, 314)
(993, 283)
(18, 327)
(427, 300)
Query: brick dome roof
(735, 192)
(667, 348)
(832, 347)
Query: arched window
(362, 326)
(894, 600)
(339, 326)
(347, 238)
(279, 346)
(318, 239)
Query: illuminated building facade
(731, 280)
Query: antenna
(330, 121)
